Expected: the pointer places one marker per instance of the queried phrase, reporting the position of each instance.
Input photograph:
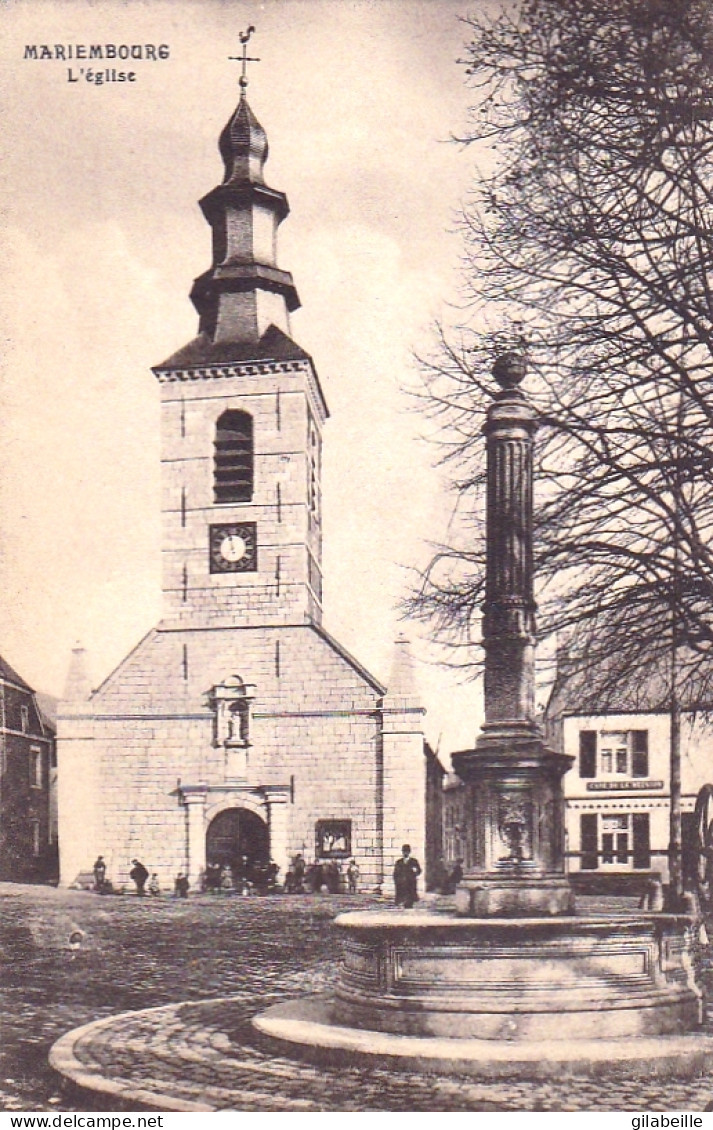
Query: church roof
(47, 705)
(10, 675)
(348, 657)
(274, 345)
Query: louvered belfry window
(234, 457)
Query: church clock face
(233, 548)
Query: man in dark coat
(406, 872)
(181, 886)
(99, 874)
(139, 874)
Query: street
(71, 957)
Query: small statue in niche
(238, 723)
(232, 703)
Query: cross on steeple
(244, 58)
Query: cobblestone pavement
(138, 954)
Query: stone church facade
(239, 726)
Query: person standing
(406, 873)
(353, 876)
(181, 886)
(139, 874)
(99, 874)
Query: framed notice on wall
(333, 839)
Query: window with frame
(36, 838)
(615, 840)
(25, 719)
(620, 841)
(234, 471)
(35, 767)
(613, 753)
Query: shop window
(615, 840)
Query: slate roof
(274, 345)
(11, 676)
(47, 705)
(592, 685)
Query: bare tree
(589, 237)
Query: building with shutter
(28, 833)
(617, 793)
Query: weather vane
(244, 58)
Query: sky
(104, 236)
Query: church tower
(239, 731)
(242, 416)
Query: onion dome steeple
(244, 300)
(243, 146)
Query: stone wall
(287, 416)
(148, 733)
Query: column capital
(511, 412)
(275, 794)
(193, 794)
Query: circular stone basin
(506, 997)
(518, 979)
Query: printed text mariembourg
(64, 52)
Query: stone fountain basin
(499, 997)
(600, 977)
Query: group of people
(140, 877)
(328, 873)
(143, 881)
(244, 876)
(262, 877)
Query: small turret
(402, 693)
(78, 687)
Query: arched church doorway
(234, 834)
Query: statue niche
(231, 703)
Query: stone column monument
(514, 982)
(515, 838)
